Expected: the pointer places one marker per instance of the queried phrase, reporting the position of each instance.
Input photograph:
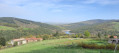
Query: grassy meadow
(6, 28)
(55, 46)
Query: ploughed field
(56, 46)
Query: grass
(27, 28)
(116, 25)
(6, 28)
(49, 46)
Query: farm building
(109, 36)
(33, 39)
(113, 41)
(24, 41)
(18, 41)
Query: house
(18, 41)
(33, 39)
(39, 39)
(24, 41)
(113, 41)
(109, 36)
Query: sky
(60, 11)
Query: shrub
(102, 47)
(110, 46)
(15, 44)
(95, 46)
(118, 47)
(0, 46)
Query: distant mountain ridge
(84, 23)
(16, 22)
(94, 26)
(12, 28)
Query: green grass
(27, 28)
(49, 46)
(6, 28)
(116, 25)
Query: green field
(51, 46)
(6, 28)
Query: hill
(95, 26)
(85, 23)
(11, 27)
(16, 22)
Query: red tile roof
(33, 38)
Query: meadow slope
(50, 46)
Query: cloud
(51, 8)
(11, 8)
(57, 10)
(13, 2)
(102, 2)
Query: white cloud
(57, 10)
(10, 8)
(102, 2)
(13, 2)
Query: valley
(90, 36)
(59, 26)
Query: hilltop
(95, 26)
(11, 27)
(22, 23)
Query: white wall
(24, 42)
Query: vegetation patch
(54, 46)
(6, 28)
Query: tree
(38, 36)
(45, 37)
(105, 35)
(56, 34)
(77, 36)
(87, 34)
(99, 35)
(80, 35)
(2, 41)
(111, 37)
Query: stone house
(113, 41)
(24, 41)
(33, 39)
(19, 41)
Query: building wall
(24, 42)
(113, 41)
(12, 42)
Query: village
(20, 41)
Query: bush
(110, 46)
(15, 44)
(95, 46)
(102, 47)
(0, 46)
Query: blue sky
(60, 11)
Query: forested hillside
(105, 27)
(11, 28)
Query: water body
(67, 32)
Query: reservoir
(67, 31)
